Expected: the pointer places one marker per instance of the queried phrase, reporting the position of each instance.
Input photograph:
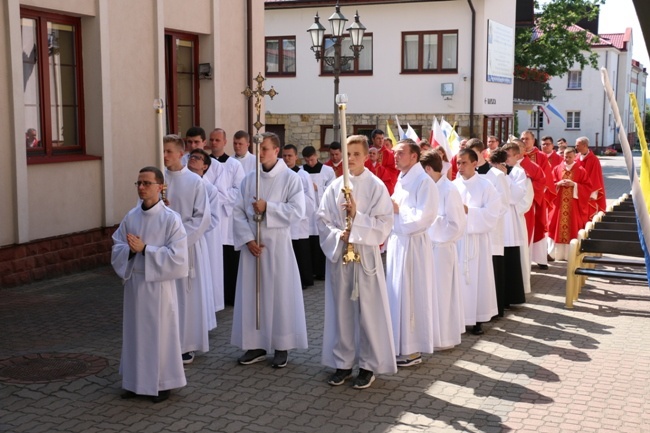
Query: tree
(550, 46)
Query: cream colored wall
(64, 198)
(188, 16)
(132, 70)
(7, 143)
(121, 41)
(76, 7)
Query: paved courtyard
(542, 368)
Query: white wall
(386, 90)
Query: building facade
(420, 59)
(581, 100)
(77, 117)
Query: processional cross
(259, 94)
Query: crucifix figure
(259, 94)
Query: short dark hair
(475, 144)
(412, 145)
(376, 132)
(206, 157)
(498, 156)
(512, 145)
(308, 151)
(156, 173)
(470, 153)
(547, 137)
(335, 145)
(271, 136)
(290, 147)
(242, 134)
(195, 131)
(431, 158)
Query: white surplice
(215, 249)
(474, 249)
(410, 267)
(151, 348)
(357, 330)
(187, 195)
(449, 226)
(500, 183)
(248, 162)
(230, 182)
(301, 230)
(322, 180)
(521, 198)
(282, 311)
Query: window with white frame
(575, 80)
(573, 120)
(536, 119)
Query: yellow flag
(644, 176)
(390, 134)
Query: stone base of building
(304, 130)
(56, 256)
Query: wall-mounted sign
(500, 53)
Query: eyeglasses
(197, 157)
(145, 183)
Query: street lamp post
(336, 61)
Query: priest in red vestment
(553, 157)
(539, 246)
(569, 213)
(591, 164)
(336, 158)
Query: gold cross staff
(259, 94)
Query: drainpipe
(605, 117)
(472, 67)
(249, 63)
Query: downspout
(249, 61)
(605, 117)
(472, 67)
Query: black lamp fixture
(336, 61)
(205, 71)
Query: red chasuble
(569, 214)
(338, 170)
(591, 164)
(554, 159)
(388, 173)
(536, 218)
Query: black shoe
(162, 396)
(477, 329)
(280, 359)
(542, 267)
(128, 394)
(339, 376)
(364, 379)
(549, 258)
(188, 357)
(252, 356)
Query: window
(572, 120)
(430, 52)
(281, 56)
(52, 83)
(536, 119)
(361, 65)
(575, 80)
(181, 62)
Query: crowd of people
(414, 248)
